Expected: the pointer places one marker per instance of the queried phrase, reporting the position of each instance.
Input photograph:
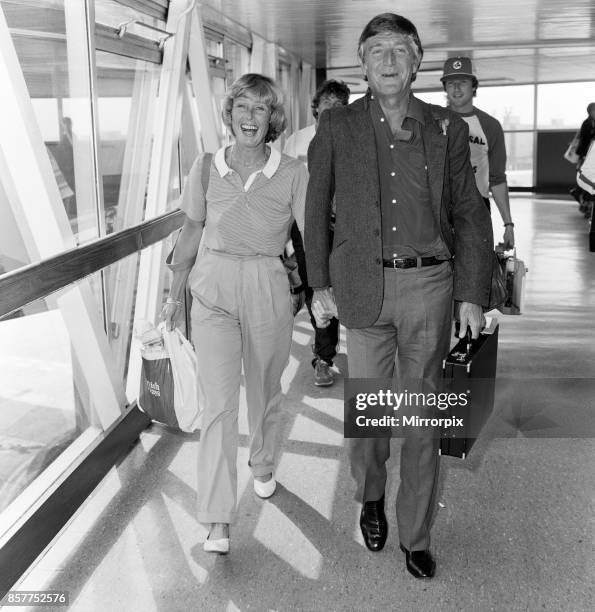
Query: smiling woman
(254, 92)
(242, 310)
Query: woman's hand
(170, 313)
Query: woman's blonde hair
(267, 90)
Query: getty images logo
(153, 388)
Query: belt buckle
(395, 262)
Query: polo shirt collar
(269, 169)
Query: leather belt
(412, 262)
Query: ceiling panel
(511, 41)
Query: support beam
(201, 82)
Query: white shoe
(265, 489)
(218, 546)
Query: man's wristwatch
(296, 290)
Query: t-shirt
(297, 144)
(252, 218)
(487, 150)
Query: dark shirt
(586, 135)
(409, 228)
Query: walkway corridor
(515, 527)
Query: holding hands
(324, 307)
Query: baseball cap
(457, 66)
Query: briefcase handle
(468, 336)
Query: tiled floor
(515, 523)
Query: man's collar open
(414, 108)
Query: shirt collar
(414, 109)
(269, 169)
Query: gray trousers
(410, 339)
(241, 315)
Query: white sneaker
(265, 489)
(218, 546)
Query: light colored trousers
(410, 339)
(241, 314)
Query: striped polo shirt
(252, 218)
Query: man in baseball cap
(486, 138)
(457, 66)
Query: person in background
(486, 139)
(406, 203)
(586, 133)
(242, 307)
(330, 94)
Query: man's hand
(471, 315)
(298, 300)
(508, 239)
(324, 307)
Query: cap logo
(457, 65)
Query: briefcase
(514, 276)
(469, 371)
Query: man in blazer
(412, 234)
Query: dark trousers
(325, 338)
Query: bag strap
(206, 173)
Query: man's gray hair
(390, 22)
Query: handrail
(35, 281)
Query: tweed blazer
(343, 163)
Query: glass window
(214, 43)
(45, 399)
(284, 82)
(519, 158)
(113, 14)
(218, 90)
(237, 61)
(126, 98)
(62, 122)
(512, 105)
(563, 106)
(120, 282)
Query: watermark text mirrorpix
(386, 400)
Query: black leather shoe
(373, 524)
(420, 563)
